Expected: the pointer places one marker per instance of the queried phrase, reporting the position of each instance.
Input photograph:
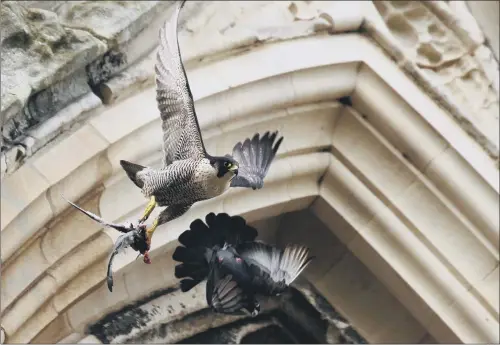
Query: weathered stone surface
(13, 158)
(43, 105)
(63, 45)
(129, 28)
(37, 51)
(487, 15)
(113, 21)
(56, 330)
(60, 122)
(299, 18)
(213, 27)
(444, 56)
(171, 316)
(133, 79)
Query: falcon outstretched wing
(254, 158)
(120, 227)
(181, 131)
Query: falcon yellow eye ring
(227, 164)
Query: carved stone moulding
(293, 317)
(442, 46)
(452, 81)
(415, 191)
(348, 139)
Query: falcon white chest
(206, 176)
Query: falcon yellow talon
(149, 208)
(150, 231)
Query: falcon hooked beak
(229, 166)
(234, 169)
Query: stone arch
(380, 172)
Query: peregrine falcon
(237, 267)
(189, 174)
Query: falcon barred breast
(189, 174)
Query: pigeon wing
(224, 295)
(282, 266)
(119, 227)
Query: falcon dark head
(224, 165)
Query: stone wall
(397, 182)
(60, 63)
(55, 57)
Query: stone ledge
(281, 207)
(172, 235)
(397, 241)
(372, 106)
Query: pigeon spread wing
(254, 157)
(123, 242)
(181, 131)
(120, 227)
(224, 295)
(283, 266)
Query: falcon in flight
(189, 173)
(237, 267)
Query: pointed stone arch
(411, 190)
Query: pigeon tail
(216, 231)
(201, 239)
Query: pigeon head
(225, 165)
(228, 258)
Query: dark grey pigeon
(237, 267)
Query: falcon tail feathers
(132, 169)
(294, 260)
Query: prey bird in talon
(189, 173)
(133, 236)
(237, 267)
